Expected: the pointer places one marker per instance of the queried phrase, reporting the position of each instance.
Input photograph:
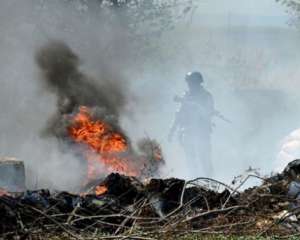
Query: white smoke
(289, 150)
(250, 68)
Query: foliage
(152, 16)
(293, 7)
(136, 26)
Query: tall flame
(100, 190)
(105, 147)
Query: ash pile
(122, 206)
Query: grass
(201, 237)
(197, 237)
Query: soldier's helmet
(194, 77)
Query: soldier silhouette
(193, 124)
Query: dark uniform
(193, 121)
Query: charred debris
(123, 207)
(127, 207)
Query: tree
(155, 16)
(150, 17)
(293, 7)
(139, 24)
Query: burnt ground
(159, 209)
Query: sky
(241, 12)
(244, 7)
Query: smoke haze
(59, 67)
(251, 70)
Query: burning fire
(3, 192)
(105, 147)
(101, 189)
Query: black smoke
(60, 72)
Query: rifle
(216, 113)
(221, 116)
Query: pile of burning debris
(88, 121)
(121, 206)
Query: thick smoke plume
(79, 94)
(249, 65)
(60, 71)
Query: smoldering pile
(88, 113)
(128, 208)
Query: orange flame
(100, 190)
(104, 145)
(3, 192)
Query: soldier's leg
(208, 161)
(198, 167)
(204, 153)
(191, 158)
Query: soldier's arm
(177, 120)
(216, 112)
(174, 127)
(211, 105)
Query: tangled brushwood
(123, 207)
